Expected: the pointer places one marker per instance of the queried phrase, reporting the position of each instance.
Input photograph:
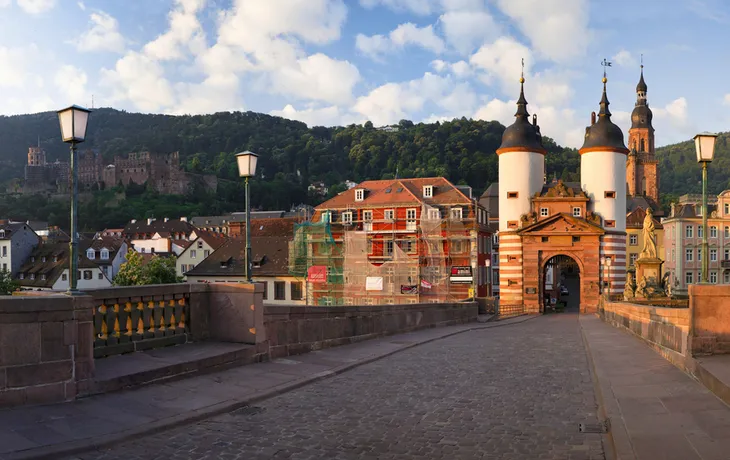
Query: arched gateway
(585, 220)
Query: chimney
(593, 118)
(183, 219)
(150, 220)
(133, 221)
(534, 119)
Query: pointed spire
(522, 102)
(604, 112)
(641, 87)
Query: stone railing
(46, 349)
(665, 329)
(291, 330)
(710, 307)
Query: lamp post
(705, 147)
(73, 121)
(608, 265)
(247, 168)
(603, 274)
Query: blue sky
(332, 62)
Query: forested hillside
(679, 172)
(292, 157)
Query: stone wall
(665, 329)
(292, 330)
(46, 348)
(710, 307)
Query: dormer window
(200, 245)
(21, 276)
(428, 191)
(32, 259)
(32, 276)
(359, 194)
(2, 233)
(55, 259)
(43, 259)
(104, 254)
(91, 254)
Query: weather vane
(642, 60)
(522, 73)
(605, 64)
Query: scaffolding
(374, 258)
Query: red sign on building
(317, 274)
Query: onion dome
(522, 135)
(603, 134)
(641, 116)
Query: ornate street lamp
(705, 147)
(608, 265)
(73, 121)
(247, 168)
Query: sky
(336, 62)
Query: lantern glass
(247, 163)
(73, 121)
(705, 147)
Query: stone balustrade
(710, 307)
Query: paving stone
(512, 392)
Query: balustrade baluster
(150, 319)
(172, 324)
(140, 320)
(128, 320)
(115, 312)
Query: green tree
(7, 284)
(134, 272)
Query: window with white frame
(91, 254)
(200, 245)
(713, 277)
(410, 214)
(434, 214)
(495, 239)
(633, 240)
(674, 254)
(699, 255)
(388, 214)
(359, 194)
(727, 208)
(456, 213)
(428, 191)
(347, 217)
(388, 249)
(104, 254)
(689, 255)
(700, 231)
(726, 277)
(713, 255)
(576, 212)
(326, 216)
(367, 216)
(193, 254)
(633, 258)
(727, 232)
(713, 232)
(727, 254)
(689, 278)
(688, 231)
(544, 212)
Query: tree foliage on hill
(8, 284)
(679, 172)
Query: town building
(157, 236)
(198, 250)
(548, 230)
(394, 242)
(17, 241)
(47, 268)
(269, 256)
(683, 232)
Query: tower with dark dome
(642, 174)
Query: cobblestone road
(512, 392)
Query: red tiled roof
(635, 219)
(398, 191)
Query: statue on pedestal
(649, 250)
(630, 287)
(641, 289)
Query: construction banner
(405, 289)
(317, 274)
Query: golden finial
(604, 79)
(522, 74)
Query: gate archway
(560, 283)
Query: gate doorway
(560, 285)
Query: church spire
(522, 102)
(522, 135)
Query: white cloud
(393, 102)
(5, 3)
(467, 29)
(184, 30)
(422, 7)
(71, 82)
(140, 80)
(317, 77)
(373, 46)
(17, 75)
(405, 34)
(322, 116)
(102, 36)
(81, 6)
(726, 100)
(502, 60)
(459, 69)
(36, 6)
(557, 29)
(624, 59)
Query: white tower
(603, 178)
(521, 175)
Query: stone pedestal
(651, 268)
